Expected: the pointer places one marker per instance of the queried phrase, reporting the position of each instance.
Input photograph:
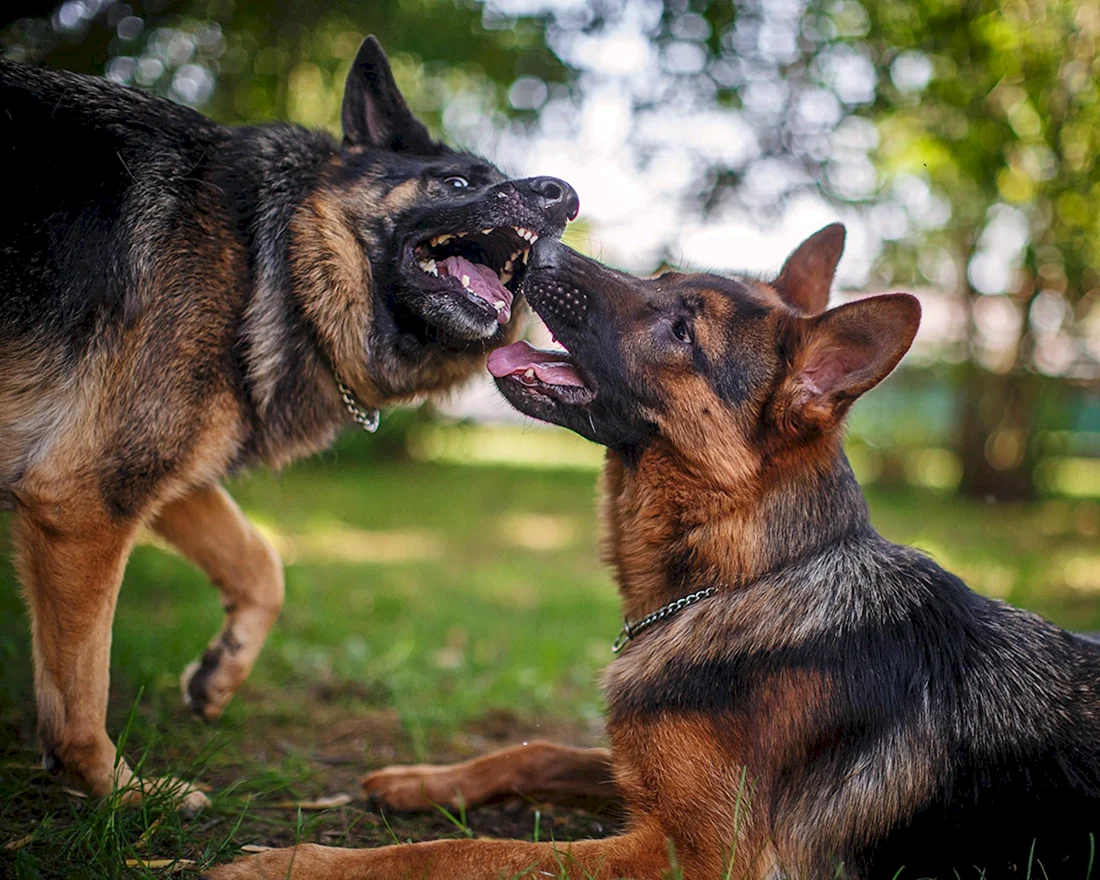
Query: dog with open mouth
(181, 300)
(794, 696)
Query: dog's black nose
(556, 197)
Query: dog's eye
(457, 181)
(682, 331)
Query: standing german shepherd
(797, 697)
(179, 300)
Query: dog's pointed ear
(375, 113)
(843, 353)
(807, 275)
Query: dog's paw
(419, 787)
(187, 799)
(205, 687)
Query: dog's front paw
(418, 787)
(208, 684)
(186, 798)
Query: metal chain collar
(367, 419)
(630, 630)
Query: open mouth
(545, 372)
(487, 265)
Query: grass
(433, 611)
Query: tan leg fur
(209, 529)
(541, 770)
(71, 557)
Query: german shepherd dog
(179, 300)
(796, 696)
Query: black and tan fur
(841, 706)
(177, 300)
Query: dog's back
(104, 170)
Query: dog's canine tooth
(526, 254)
(500, 305)
(466, 281)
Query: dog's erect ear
(808, 273)
(843, 353)
(374, 112)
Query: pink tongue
(550, 367)
(483, 281)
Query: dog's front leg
(210, 530)
(639, 855)
(71, 556)
(540, 770)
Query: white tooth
(432, 268)
(534, 237)
(526, 254)
(516, 254)
(486, 231)
(530, 373)
(466, 281)
(500, 305)
(509, 265)
(440, 239)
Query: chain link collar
(367, 419)
(630, 630)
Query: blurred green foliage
(284, 60)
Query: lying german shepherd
(179, 300)
(796, 696)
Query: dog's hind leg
(209, 529)
(71, 557)
(541, 770)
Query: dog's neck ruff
(365, 418)
(631, 630)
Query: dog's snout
(548, 289)
(554, 196)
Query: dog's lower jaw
(453, 324)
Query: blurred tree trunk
(997, 427)
(998, 412)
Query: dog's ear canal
(807, 275)
(374, 113)
(843, 353)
